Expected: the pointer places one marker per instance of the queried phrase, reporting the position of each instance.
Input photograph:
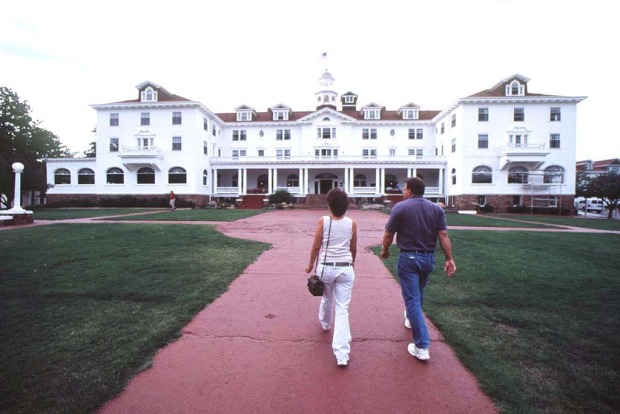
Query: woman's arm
(316, 245)
(353, 246)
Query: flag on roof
(323, 55)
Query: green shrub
(281, 196)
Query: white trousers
(337, 295)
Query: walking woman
(334, 250)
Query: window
(483, 114)
(359, 180)
(453, 120)
(113, 144)
(369, 153)
(392, 152)
(515, 89)
(518, 140)
(283, 134)
(442, 128)
(349, 99)
(115, 176)
(213, 130)
(553, 174)
(238, 153)
(146, 175)
(292, 180)
(149, 95)
(410, 114)
(235, 180)
(176, 143)
(62, 176)
(482, 175)
(244, 116)
(205, 178)
(283, 154)
(325, 133)
(453, 176)
(453, 144)
(371, 114)
(280, 115)
(205, 148)
(176, 118)
(86, 176)
(418, 153)
(369, 133)
(555, 114)
(517, 175)
(483, 141)
(177, 175)
(205, 124)
(415, 133)
(519, 114)
(114, 119)
(145, 118)
(554, 140)
(325, 154)
(261, 152)
(239, 135)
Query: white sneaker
(420, 353)
(407, 323)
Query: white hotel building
(503, 146)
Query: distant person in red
(172, 200)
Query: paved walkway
(259, 348)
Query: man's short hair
(415, 185)
(338, 201)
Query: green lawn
(196, 215)
(535, 317)
(74, 213)
(87, 307)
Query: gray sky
(61, 56)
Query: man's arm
(446, 246)
(385, 245)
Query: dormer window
(515, 89)
(280, 115)
(371, 114)
(589, 166)
(244, 116)
(410, 114)
(349, 99)
(149, 95)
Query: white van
(590, 204)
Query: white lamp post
(18, 167)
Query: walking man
(418, 224)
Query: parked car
(589, 204)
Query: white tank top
(339, 240)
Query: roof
(499, 89)
(601, 165)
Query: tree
(91, 152)
(607, 188)
(22, 140)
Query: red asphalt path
(259, 348)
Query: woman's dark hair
(338, 201)
(415, 185)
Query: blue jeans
(414, 270)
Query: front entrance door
(325, 186)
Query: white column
(377, 179)
(275, 178)
(301, 180)
(245, 181)
(270, 181)
(441, 179)
(214, 181)
(414, 172)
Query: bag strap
(326, 247)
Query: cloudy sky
(62, 56)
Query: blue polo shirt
(416, 222)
